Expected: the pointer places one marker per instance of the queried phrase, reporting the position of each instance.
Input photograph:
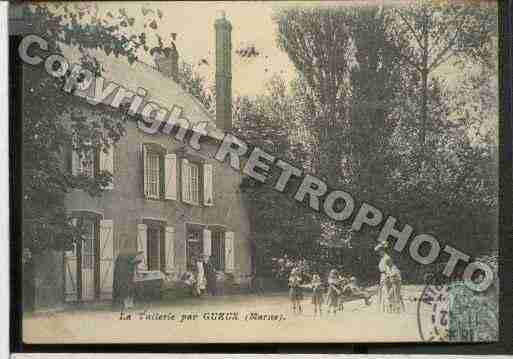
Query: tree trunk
(425, 73)
(424, 115)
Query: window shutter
(70, 274)
(97, 165)
(229, 252)
(170, 172)
(75, 163)
(170, 248)
(142, 243)
(107, 163)
(208, 184)
(162, 176)
(207, 242)
(70, 270)
(144, 174)
(106, 257)
(185, 181)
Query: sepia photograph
(256, 172)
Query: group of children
(336, 288)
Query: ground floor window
(153, 248)
(156, 247)
(218, 249)
(194, 249)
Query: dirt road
(244, 318)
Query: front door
(81, 265)
(88, 260)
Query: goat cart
(365, 295)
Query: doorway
(81, 263)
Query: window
(87, 163)
(190, 182)
(194, 182)
(154, 248)
(152, 174)
(197, 182)
(194, 248)
(218, 248)
(155, 245)
(89, 227)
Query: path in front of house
(357, 323)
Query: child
(189, 282)
(333, 291)
(317, 294)
(341, 284)
(296, 293)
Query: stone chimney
(223, 73)
(167, 61)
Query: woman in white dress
(395, 297)
(389, 293)
(384, 282)
(201, 281)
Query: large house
(168, 200)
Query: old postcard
(226, 172)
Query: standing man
(123, 288)
(211, 274)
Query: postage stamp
(472, 316)
(205, 172)
(456, 313)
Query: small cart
(148, 285)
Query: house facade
(167, 200)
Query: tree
(393, 96)
(196, 85)
(439, 33)
(279, 224)
(376, 86)
(317, 41)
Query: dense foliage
(379, 112)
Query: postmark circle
(433, 311)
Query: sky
(194, 24)
(252, 25)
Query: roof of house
(160, 88)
